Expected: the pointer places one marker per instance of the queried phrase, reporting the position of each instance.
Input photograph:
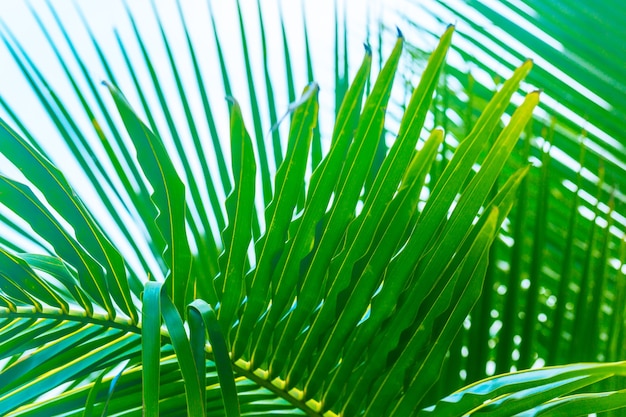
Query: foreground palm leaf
(341, 298)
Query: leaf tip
(534, 96)
(447, 35)
(400, 35)
(313, 86)
(368, 49)
(528, 63)
(114, 91)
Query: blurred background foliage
(555, 291)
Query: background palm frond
(554, 295)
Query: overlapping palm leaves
(347, 303)
(557, 281)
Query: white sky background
(103, 17)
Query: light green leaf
(359, 235)
(580, 405)
(370, 273)
(421, 356)
(480, 394)
(285, 278)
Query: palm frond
(558, 262)
(340, 283)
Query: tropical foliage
(348, 274)
(556, 290)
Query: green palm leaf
(229, 285)
(344, 285)
(566, 227)
(168, 197)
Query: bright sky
(103, 17)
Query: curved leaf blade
(237, 236)
(184, 355)
(151, 347)
(349, 185)
(168, 197)
(475, 395)
(211, 327)
(20, 198)
(289, 180)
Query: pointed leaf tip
(528, 63)
(449, 30)
(110, 86)
(400, 35)
(368, 49)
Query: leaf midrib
(241, 367)
(103, 320)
